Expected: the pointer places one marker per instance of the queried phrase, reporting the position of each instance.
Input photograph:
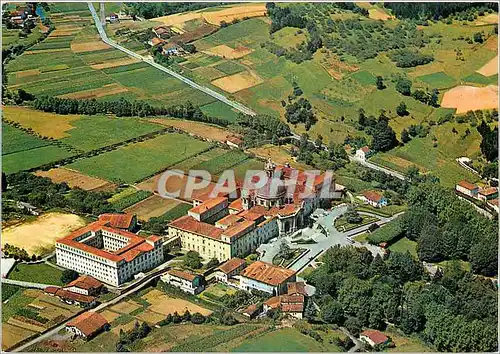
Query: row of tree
(122, 108)
(435, 10)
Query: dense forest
(452, 311)
(157, 9)
(435, 10)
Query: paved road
(102, 33)
(378, 168)
(26, 284)
(357, 344)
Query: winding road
(102, 33)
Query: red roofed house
(87, 325)
(229, 269)
(363, 153)
(266, 277)
(109, 254)
(375, 199)
(373, 337)
(85, 285)
(293, 303)
(126, 222)
(72, 298)
(188, 282)
(467, 188)
(494, 204)
(486, 194)
(252, 311)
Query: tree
(68, 275)
(197, 318)
(192, 260)
(405, 137)
(4, 182)
(384, 137)
(380, 83)
(332, 312)
(403, 86)
(353, 325)
(401, 109)
(214, 262)
(478, 37)
(352, 216)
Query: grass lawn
(361, 238)
(463, 264)
(403, 245)
(16, 302)
(36, 273)
(343, 225)
(405, 344)
(216, 291)
(385, 211)
(283, 340)
(137, 161)
(438, 80)
(220, 110)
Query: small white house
(87, 325)
(229, 269)
(373, 337)
(467, 188)
(363, 153)
(374, 199)
(187, 282)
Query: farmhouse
(229, 269)
(85, 285)
(188, 282)
(87, 325)
(363, 153)
(33, 210)
(109, 254)
(252, 311)
(162, 32)
(266, 277)
(70, 297)
(494, 204)
(467, 188)
(374, 199)
(487, 194)
(292, 303)
(373, 337)
(218, 229)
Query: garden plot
(225, 51)
(470, 98)
(75, 179)
(238, 82)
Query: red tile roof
(189, 224)
(267, 273)
(296, 288)
(493, 202)
(88, 323)
(365, 149)
(292, 307)
(231, 265)
(236, 204)
(273, 302)
(229, 220)
(85, 282)
(373, 196)
(69, 295)
(51, 289)
(208, 205)
(119, 221)
(376, 336)
(136, 245)
(488, 191)
(239, 229)
(251, 310)
(181, 274)
(467, 185)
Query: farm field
(203, 130)
(28, 159)
(149, 157)
(15, 140)
(16, 327)
(36, 273)
(76, 179)
(153, 206)
(41, 233)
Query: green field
(283, 340)
(36, 273)
(230, 67)
(364, 77)
(222, 162)
(438, 80)
(25, 160)
(93, 132)
(477, 78)
(140, 160)
(16, 302)
(15, 140)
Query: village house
(71, 298)
(112, 18)
(467, 188)
(266, 277)
(187, 282)
(374, 199)
(234, 141)
(374, 337)
(252, 311)
(363, 153)
(33, 210)
(486, 194)
(87, 325)
(292, 303)
(226, 271)
(494, 204)
(85, 285)
(162, 32)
